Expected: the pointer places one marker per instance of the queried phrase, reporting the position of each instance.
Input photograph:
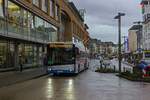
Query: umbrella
(141, 66)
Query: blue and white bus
(67, 58)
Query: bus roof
(79, 45)
(60, 45)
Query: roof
(76, 10)
(136, 27)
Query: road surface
(89, 85)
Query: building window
(36, 2)
(39, 25)
(1, 9)
(14, 14)
(57, 12)
(52, 8)
(3, 54)
(14, 18)
(32, 26)
(45, 5)
(6, 54)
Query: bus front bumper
(60, 72)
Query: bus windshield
(61, 56)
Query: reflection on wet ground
(86, 86)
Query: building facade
(25, 29)
(107, 49)
(93, 48)
(135, 38)
(27, 26)
(73, 26)
(146, 24)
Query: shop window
(3, 53)
(6, 54)
(35, 55)
(40, 55)
(1, 9)
(28, 53)
(10, 54)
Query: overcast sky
(100, 14)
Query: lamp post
(118, 17)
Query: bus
(67, 58)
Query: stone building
(28, 26)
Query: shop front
(14, 54)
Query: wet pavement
(89, 85)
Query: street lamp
(118, 17)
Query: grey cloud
(102, 12)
